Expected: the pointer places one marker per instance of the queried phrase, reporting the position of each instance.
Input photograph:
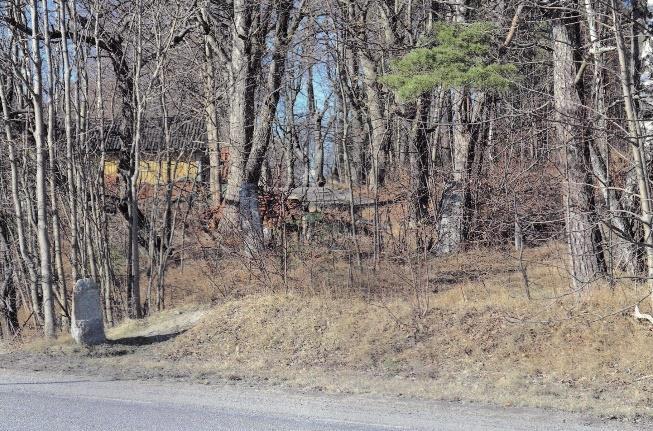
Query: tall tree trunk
(291, 138)
(101, 215)
(212, 128)
(635, 130)
(586, 260)
(68, 127)
(54, 207)
(646, 84)
(41, 189)
(621, 244)
(19, 216)
(348, 74)
(451, 220)
(240, 113)
(135, 215)
(420, 160)
(249, 215)
(241, 202)
(376, 121)
(316, 130)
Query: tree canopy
(461, 55)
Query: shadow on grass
(144, 340)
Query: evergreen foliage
(460, 57)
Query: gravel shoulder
(54, 401)
(206, 351)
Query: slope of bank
(465, 351)
(452, 350)
(468, 332)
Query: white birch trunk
(646, 84)
(622, 248)
(56, 227)
(41, 189)
(70, 173)
(635, 130)
(19, 216)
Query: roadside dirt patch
(157, 328)
(129, 353)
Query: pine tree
(461, 55)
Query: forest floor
(474, 339)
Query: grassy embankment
(467, 334)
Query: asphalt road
(38, 401)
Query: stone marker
(87, 326)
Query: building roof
(327, 196)
(186, 134)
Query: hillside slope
(475, 339)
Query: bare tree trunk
(586, 260)
(376, 121)
(349, 76)
(101, 216)
(70, 172)
(134, 212)
(622, 246)
(41, 169)
(348, 166)
(306, 164)
(646, 84)
(291, 139)
(212, 129)
(54, 210)
(8, 293)
(241, 202)
(316, 127)
(637, 141)
(249, 215)
(19, 216)
(419, 163)
(451, 222)
(241, 115)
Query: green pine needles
(460, 57)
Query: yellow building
(181, 152)
(156, 171)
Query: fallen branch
(641, 316)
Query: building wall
(154, 171)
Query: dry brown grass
(477, 339)
(455, 328)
